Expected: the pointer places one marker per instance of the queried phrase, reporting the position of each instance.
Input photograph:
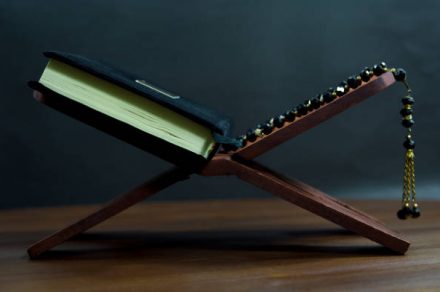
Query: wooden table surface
(227, 245)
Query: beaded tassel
(410, 208)
(409, 189)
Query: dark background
(249, 59)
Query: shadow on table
(217, 245)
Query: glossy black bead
(345, 85)
(270, 122)
(415, 212)
(406, 112)
(327, 97)
(320, 97)
(407, 123)
(400, 74)
(354, 81)
(366, 74)
(258, 132)
(316, 103)
(290, 116)
(340, 91)
(404, 213)
(332, 92)
(242, 141)
(279, 121)
(308, 105)
(267, 128)
(250, 135)
(301, 109)
(408, 100)
(330, 95)
(379, 69)
(409, 143)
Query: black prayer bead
(366, 74)
(290, 116)
(308, 105)
(400, 74)
(270, 122)
(409, 143)
(327, 97)
(379, 69)
(259, 129)
(320, 97)
(406, 111)
(330, 95)
(340, 91)
(404, 213)
(242, 140)
(345, 85)
(250, 135)
(408, 100)
(258, 132)
(267, 128)
(332, 91)
(316, 103)
(407, 123)
(354, 81)
(415, 212)
(279, 121)
(301, 109)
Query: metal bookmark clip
(161, 91)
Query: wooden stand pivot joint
(240, 164)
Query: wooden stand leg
(310, 199)
(110, 209)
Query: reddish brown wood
(227, 245)
(308, 198)
(112, 208)
(240, 164)
(312, 119)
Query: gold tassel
(410, 208)
(409, 202)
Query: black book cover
(161, 148)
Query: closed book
(132, 109)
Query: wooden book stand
(240, 163)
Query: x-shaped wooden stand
(240, 164)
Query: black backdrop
(249, 59)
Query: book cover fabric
(219, 124)
(182, 105)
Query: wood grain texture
(308, 198)
(110, 209)
(231, 245)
